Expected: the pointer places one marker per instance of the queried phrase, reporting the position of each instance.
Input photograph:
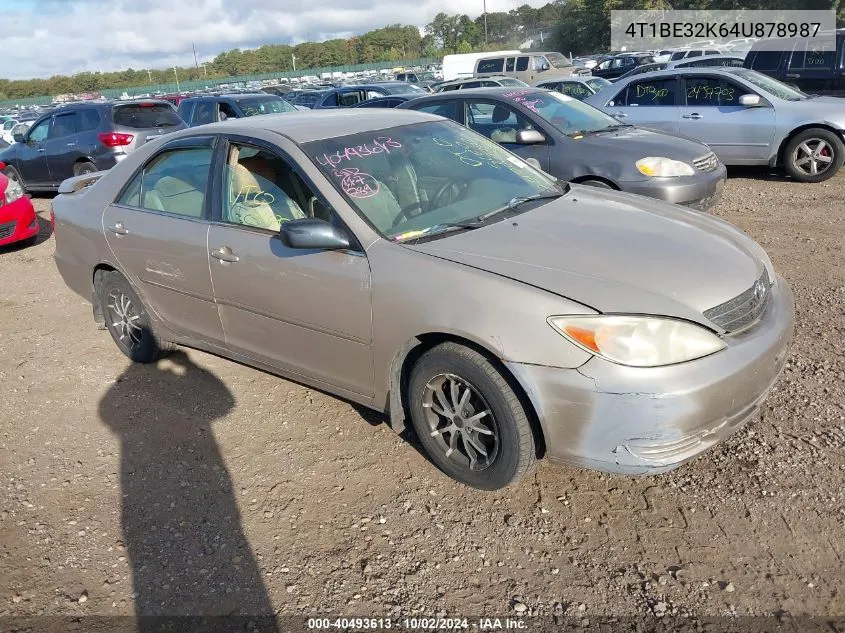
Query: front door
(61, 147)
(648, 103)
(32, 155)
(303, 311)
(712, 114)
(158, 231)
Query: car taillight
(115, 139)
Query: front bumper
(17, 221)
(631, 420)
(699, 192)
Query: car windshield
(557, 60)
(396, 89)
(145, 115)
(417, 180)
(772, 86)
(570, 116)
(510, 81)
(264, 105)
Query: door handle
(71, 144)
(118, 229)
(792, 75)
(694, 115)
(41, 150)
(225, 255)
(619, 115)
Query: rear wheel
(127, 321)
(469, 419)
(12, 174)
(80, 169)
(814, 155)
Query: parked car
(618, 65)
(212, 108)
(401, 261)
(576, 87)
(422, 79)
(662, 56)
(18, 222)
(802, 63)
(708, 61)
(641, 70)
(747, 118)
(576, 142)
(84, 138)
(386, 102)
(306, 98)
(6, 130)
(347, 96)
(688, 53)
(473, 82)
(527, 67)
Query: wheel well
(99, 274)
(425, 342)
(798, 130)
(583, 179)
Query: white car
(6, 130)
(17, 128)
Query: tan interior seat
(502, 134)
(177, 196)
(255, 199)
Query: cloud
(49, 37)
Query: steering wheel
(451, 191)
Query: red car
(18, 221)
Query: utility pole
(293, 61)
(196, 63)
(150, 76)
(175, 74)
(485, 22)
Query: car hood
(614, 252)
(639, 143)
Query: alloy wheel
(123, 318)
(812, 157)
(461, 421)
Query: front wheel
(468, 418)
(814, 155)
(80, 169)
(127, 321)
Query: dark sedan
(213, 108)
(576, 142)
(348, 96)
(619, 65)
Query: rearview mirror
(529, 137)
(749, 101)
(18, 137)
(312, 233)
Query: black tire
(30, 241)
(595, 183)
(799, 164)
(138, 342)
(84, 167)
(511, 450)
(13, 174)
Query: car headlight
(638, 341)
(663, 167)
(13, 191)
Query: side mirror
(529, 137)
(18, 137)
(312, 233)
(534, 163)
(750, 101)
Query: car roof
(315, 125)
(697, 60)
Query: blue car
(387, 102)
(348, 96)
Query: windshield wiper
(437, 229)
(517, 201)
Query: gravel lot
(200, 486)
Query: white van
(463, 65)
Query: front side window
(204, 112)
(63, 125)
(521, 63)
(261, 190)
(575, 89)
(346, 99)
(410, 180)
(645, 93)
(264, 105)
(39, 132)
(173, 182)
(496, 121)
(448, 109)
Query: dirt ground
(200, 486)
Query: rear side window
(809, 56)
(470, 84)
(173, 182)
(490, 65)
(142, 115)
(677, 55)
(509, 62)
(63, 125)
(521, 63)
(330, 100)
(448, 109)
(659, 92)
(87, 120)
(694, 54)
(766, 60)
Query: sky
(42, 38)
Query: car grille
(706, 163)
(7, 229)
(743, 310)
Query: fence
(211, 82)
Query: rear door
(648, 103)
(62, 150)
(158, 232)
(711, 114)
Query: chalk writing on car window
(705, 93)
(380, 145)
(520, 96)
(252, 196)
(468, 152)
(357, 184)
(574, 89)
(647, 90)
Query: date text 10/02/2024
(416, 624)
